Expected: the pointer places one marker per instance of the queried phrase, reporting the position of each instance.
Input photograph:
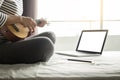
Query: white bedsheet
(105, 67)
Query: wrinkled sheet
(104, 67)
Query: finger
(31, 30)
(31, 24)
(30, 27)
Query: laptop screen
(92, 40)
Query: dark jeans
(33, 49)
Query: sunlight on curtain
(69, 17)
(112, 16)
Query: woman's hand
(28, 22)
(41, 22)
(25, 21)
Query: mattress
(104, 67)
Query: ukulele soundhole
(15, 27)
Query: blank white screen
(92, 41)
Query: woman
(33, 49)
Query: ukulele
(15, 32)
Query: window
(69, 17)
(111, 17)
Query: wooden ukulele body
(15, 32)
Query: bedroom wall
(69, 43)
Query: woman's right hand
(25, 21)
(28, 22)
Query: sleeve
(3, 17)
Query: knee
(45, 49)
(50, 35)
(53, 37)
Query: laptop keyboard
(76, 54)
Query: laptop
(90, 43)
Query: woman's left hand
(42, 22)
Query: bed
(104, 67)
